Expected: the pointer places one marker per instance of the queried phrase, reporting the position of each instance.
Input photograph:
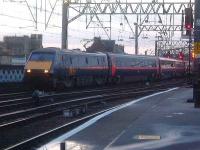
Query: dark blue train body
(70, 68)
(66, 67)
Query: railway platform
(162, 121)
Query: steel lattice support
(174, 47)
(118, 7)
(143, 10)
(141, 14)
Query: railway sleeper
(75, 111)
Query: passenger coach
(171, 68)
(124, 67)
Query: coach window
(75, 61)
(138, 63)
(97, 60)
(150, 63)
(62, 58)
(145, 63)
(86, 60)
(117, 62)
(70, 59)
(103, 61)
(128, 62)
(135, 62)
(132, 63)
(154, 64)
(123, 62)
(67, 60)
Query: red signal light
(188, 18)
(181, 56)
(188, 27)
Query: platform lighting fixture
(193, 55)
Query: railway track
(75, 106)
(14, 105)
(28, 103)
(61, 102)
(12, 88)
(15, 95)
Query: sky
(16, 19)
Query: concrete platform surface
(162, 122)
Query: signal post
(196, 85)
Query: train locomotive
(55, 67)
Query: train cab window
(42, 56)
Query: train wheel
(54, 84)
(117, 80)
(69, 82)
(99, 80)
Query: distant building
(100, 45)
(22, 45)
(15, 49)
(2, 48)
(36, 41)
(17, 45)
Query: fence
(11, 73)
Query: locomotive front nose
(38, 69)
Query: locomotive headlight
(46, 71)
(29, 70)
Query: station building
(15, 49)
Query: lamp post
(196, 84)
(65, 16)
(136, 38)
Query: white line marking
(95, 119)
(172, 98)
(154, 106)
(178, 113)
(115, 139)
(169, 116)
(147, 137)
